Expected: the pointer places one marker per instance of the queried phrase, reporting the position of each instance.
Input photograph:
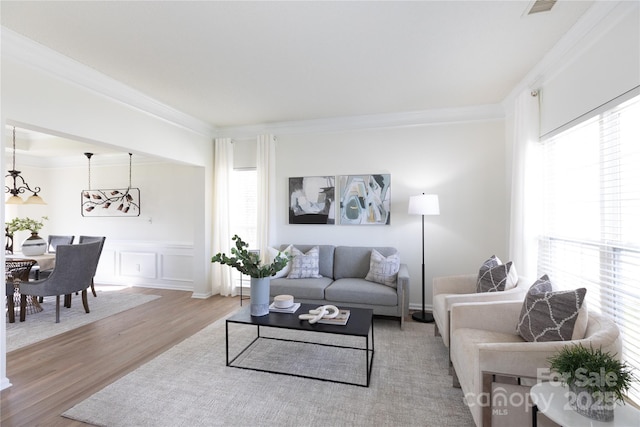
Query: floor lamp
(425, 204)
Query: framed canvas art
(365, 199)
(312, 199)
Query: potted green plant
(248, 262)
(596, 379)
(33, 245)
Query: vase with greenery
(248, 262)
(596, 379)
(33, 245)
(24, 224)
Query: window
(591, 230)
(244, 217)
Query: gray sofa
(343, 269)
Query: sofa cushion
(497, 278)
(383, 270)
(313, 289)
(353, 261)
(326, 257)
(361, 291)
(272, 253)
(548, 315)
(305, 265)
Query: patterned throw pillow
(493, 261)
(498, 278)
(306, 265)
(383, 270)
(547, 315)
(273, 253)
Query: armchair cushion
(383, 270)
(305, 265)
(547, 315)
(498, 278)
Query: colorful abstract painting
(365, 199)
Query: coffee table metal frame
(360, 324)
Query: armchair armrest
(459, 284)
(403, 279)
(496, 316)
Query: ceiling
(239, 63)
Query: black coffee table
(360, 324)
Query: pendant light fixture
(16, 190)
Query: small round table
(551, 398)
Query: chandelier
(16, 190)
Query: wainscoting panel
(165, 265)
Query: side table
(551, 399)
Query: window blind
(591, 225)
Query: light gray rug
(39, 326)
(189, 385)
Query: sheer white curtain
(223, 166)
(525, 190)
(266, 173)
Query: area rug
(190, 385)
(39, 326)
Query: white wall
(463, 163)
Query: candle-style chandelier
(16, 190)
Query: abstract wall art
(312, 200)
(365, 199)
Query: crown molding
(487, 112)
(592, 26)
(30, 53)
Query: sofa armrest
(459, 284)
(402, 284)
(497, 316)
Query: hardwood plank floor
(53, 375)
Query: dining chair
(53, 241)
(75, 267)
(88, 239)
(15, 271)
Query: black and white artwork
(312, 200)
(365, 199)
(111, 202)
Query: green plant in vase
(248, 262)
(597, 379)
(24, 224)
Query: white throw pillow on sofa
(271, 257)
(383, 270)
(305, 265)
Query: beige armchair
(449, 290)
(485, 348)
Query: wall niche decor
(365, 199)
(114, 202)
(312, 199)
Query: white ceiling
(233, 64)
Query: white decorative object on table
(326, 311)
(283, 301)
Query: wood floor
(53, 375)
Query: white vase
(260, 296)
(34, 245)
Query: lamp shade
(424, 204)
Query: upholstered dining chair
(15, 271)
(88, 239)
(53, 241)
(75, 267)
